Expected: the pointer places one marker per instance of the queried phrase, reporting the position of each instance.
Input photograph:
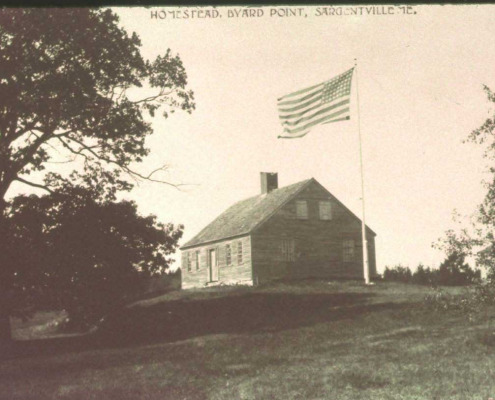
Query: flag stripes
(319, 104)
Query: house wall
(318, 244)
(233, 274)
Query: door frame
(210, 266)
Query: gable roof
(244, 216)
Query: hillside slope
(307, 340)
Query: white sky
(420, 89)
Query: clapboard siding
(276, 243)
(227, 274)
(318, 243)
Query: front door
(213, 265)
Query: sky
(421, 78)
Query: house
(296, 231)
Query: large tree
(70, 85)
(79, 250)
(477, 238)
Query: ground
(307, 340)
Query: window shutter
(228, 255)
(239, 252)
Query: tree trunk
(5, 329)
(5, 335)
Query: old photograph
(247, 202)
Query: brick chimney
(269, 182)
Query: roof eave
(208, 242)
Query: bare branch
(62, 134)
(50, 145)
(153, 98)
(162, 168)
(133, 174)
(67, 161)
(36, 185)
(78, 152)
(147, 178)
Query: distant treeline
(454, 271)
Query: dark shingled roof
(245, 215)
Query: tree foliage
(66, 80)
(453, 271)
(75, 88)
(399, 273)
(477, 239)
(79, 251)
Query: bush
(439, 300)
(476, 303)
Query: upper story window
(228, 256)
(239, 253)
(325, 208)
(348, 250)
(302, 209)
(197, 259)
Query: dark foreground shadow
(181, 319)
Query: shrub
(476, 302)
(440, 300)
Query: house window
(348, 250)
(197, 260)
(239, 253)
(302, 209)
(288, 250)
(325, 208)
(228, 255)
(188, 261)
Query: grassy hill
(306, 340)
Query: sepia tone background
(93, 332)
(420, 88)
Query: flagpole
(366, 266)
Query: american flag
(319, 104)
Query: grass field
(307, 340)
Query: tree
(74, 86)
(425, 276)
(66, 80)
(454, 271)
(477, 240)
(82, 252)
(398, 273)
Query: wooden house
(297, 231)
